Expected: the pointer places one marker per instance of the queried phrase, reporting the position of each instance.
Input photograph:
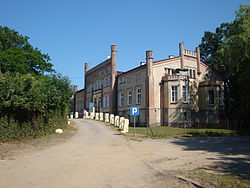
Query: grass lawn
(172, 132)
(217, 180)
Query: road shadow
(234, 152)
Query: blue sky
(76, 31)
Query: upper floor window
(129, 97)
(211, 97)
(104, 82)
(221, 98)
(138, 96)
(121, 100)
(168, 71)
(174, 94)
(194, 74)
(185, 94)
(190, 73)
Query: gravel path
(95, 156)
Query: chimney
(75, 88)
(113, 78)
(113, 62)
(181, 49)
(86, 67)
(150, 111)
(198, 60)
(113, 55)
(149, 62)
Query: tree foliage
(29, 100)
(228, 51)
(17, 55)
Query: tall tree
(17, 55)
(228, 51)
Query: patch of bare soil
(12, 151)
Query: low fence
(120, 122)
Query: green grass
(217, 180)
(172, 132)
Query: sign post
(134, 111)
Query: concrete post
(107, 117)
(97, 116)
(181, 49)
(126, 126)
(76, 115)
(112, 119)
(117, 121)
(101, 116)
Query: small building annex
(177, 91)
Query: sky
(73, 32)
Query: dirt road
(95, 157)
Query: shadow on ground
(234, 152)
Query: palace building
(178, 91)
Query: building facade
(78, 103)
(177, 91)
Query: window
(194, 75)
(174, 94)
(108, 81)
(104, 102)
(211, 97)
(184, 94)
(138, 96)
(190, 73)
(129, 97)
(221, 98)
(107, 101)
(105, 82)
(121, 102)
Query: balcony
(176, 77)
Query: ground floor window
(211, 97)
(174, 93)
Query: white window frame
(107, 101)
(190, 73)
(121, 99)
(129, 102)
(174, 94)
(138, 96)
(185, 93)
(104, 101)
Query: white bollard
(76, 115)
(97, 116)
(92, 115)
(121, 124)
(71, 116)
(107, 117)
(112, 119)
(101, 116)
(117, 121)
(85, 114)
(126, 126)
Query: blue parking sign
(134, 111)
